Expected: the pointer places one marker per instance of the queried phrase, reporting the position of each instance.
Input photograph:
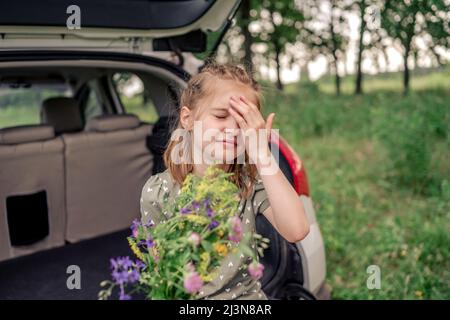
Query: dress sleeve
(260, 198)
(151, 201)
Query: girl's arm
(286, 212)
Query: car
(77, 145)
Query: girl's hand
(252, 125)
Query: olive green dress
(233, 281)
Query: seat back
(106, 168)
(32, 208)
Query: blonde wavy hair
(199, 87)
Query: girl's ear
(186, 118)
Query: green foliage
(366, 216)
(405, 136)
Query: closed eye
(221, 116)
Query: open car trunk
(118, 25)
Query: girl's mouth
(230, 142)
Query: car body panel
(29, 32)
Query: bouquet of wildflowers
(176, 257)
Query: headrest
(27, 133)
(62, 113)
(114, 122)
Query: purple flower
(192, 282)
(196, 205)
(133, 275)
(255, 270)
(185, 210)
(207, 202)
(209, 212)
(213, 224)
(124, 296)
(236, 225)
(149, 243)
(124, 271)
(139, 264)
(135, 228)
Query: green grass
(15, 113)
(145, 112)
(368, 214)
(19, 115)
(421, 79)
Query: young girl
(227, 99)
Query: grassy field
(380, 178)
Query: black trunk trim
(61, 55)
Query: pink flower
(195, 238)
(236, 225)
(255, 270)
(192, 282)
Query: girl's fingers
(269, 124)
(249, 103)
(239, 107)
(239, 119)
(244, 110)
(256, 114)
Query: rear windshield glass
(20, 104)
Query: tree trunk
(336, 70)
(278, 65)
(359, 75)
(334, 51)
(437, 56)
(406, 72)
(337, 78)
(248, 41)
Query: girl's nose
(231, 123)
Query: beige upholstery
(112, 122)
(62, 113)
(106, 168)
(28, 133)
(31, 160)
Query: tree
(325, 31)
(437, 27)
(403, 20)
(275, 26)
(362, 5)
(368, 38)
(244, 23)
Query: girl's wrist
(266, 163)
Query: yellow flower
(205, 259)
(221, 249)
(208, 277)
(197, 219)
(135, 249)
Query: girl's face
(221, 139)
